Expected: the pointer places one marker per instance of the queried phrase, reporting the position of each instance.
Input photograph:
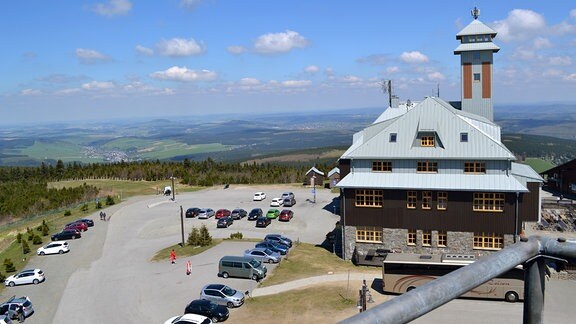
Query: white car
(23, 277)
(189, 319)
(276, 202)
(259, 196)
(56, 247)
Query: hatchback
(272, 213)
(192, 212)
(286, 215)
(276, 202)
(66, 234)
(263, 221)
(289, 202)
(224, 222)
(86, 221)
(282, 249)
(217, 313)
(222, 295)
(279, 239)
(57, 247)
(11, 306)
(255, 213)
(222, 213)
(263, 255)
(77, 226)
(205, 213)
(259, 196)
(188, 319)
(29, 276)
(238, 213)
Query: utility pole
(182, 223)
(173, 189)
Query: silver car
(205, 213)
(263, 255)
(222, 295)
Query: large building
(434, 176)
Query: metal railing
(530, 252)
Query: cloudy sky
(102, 59)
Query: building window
(370, 234)
(411, 200)
(488, 201)
(382, 166)
(442, 200)
(490, 241)
(442, 239)
(426, 199)
(476, 77)
(427, 166)
(464, 137)
(427, 141)
(426, 238)
(411, 237)
(392, 137)
(475, 167)
(368, 198)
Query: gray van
(243, 267)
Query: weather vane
(475, 13)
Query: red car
(222, 213)
(80, 226)
(286, 215)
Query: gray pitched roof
(524, 173)
(313, 169)
(431, 115)
(333, 171)
(484, 46)
(476, 27)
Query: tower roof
(467, 47)
(476, 27)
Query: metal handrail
(529, 251)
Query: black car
(66, 235)
(255, 213)
(279, 239)
(263, 221)
(238, 213)
(192, 212)
(86, 221)
(217, 313)
(224, 222)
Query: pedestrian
(101, 213)
(188, 267)
(104, 216)
(21, 316)
(172, 256)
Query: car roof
(214, 286)
(258, 249)
(193, 318)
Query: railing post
(534, 291)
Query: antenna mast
(386, 86)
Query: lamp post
(173, 189)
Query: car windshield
(229, 291)
(268, 251)
(254, 263)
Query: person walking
(188, 267)
(21, 315)
(172, 256)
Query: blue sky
(64, 60)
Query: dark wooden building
(561, 178)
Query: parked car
(222, 295)
(279, 239)
(282, 249)
(222, 213)
(188, 319)
(67, 234)
(7, 318)
(224, 222)
(259, 196)
(56, 247)
(276, 202)
(192, 212)
(263, 255)
(205, 213)
(255, 213)
(80, 226)
(272, 213)
(263, 221)
(288, 202)
(28, 276)
(215, 312)
(286, 215)
(238, 213)
(86, 221)
(12, 304)
(288, 195)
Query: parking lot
(108, 276)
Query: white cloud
(113, 8)
(296, 83)
(189, 4)
(519, 25)
(541, 42)
(392, 69)
(413, 57)
(312, 69)
(350, 79)
(436, 76)
(98, 85)
(30, 92)
(184, 74)
(88, 56)
(236, 49)
(560, 60)
(279, 42)
(249, 82)
(570, 77)
(68, 91)
(180, 47)
(144, 50)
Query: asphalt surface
(108, 277)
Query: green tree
(37, 240)
(205, 238)
(45, 228)
(194, 237)
(109, 200)
(9, 265)
(19, 238)
(25, 247)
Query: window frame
(427, 141)
(393, 137)
(369, 234)
(426, 238)
(373, 198)
(411, 199)
(427, 200)
(493, 202)
(427, 167)
(442, 239)
(476, 77)
(411, 237)
(464, 137)
(475, 167)
(381, 166)
(488, 241)
(441, 200)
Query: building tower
(476, 60)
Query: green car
(272, 213)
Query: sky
(72, 60)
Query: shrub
(109, 200)
(84, 207)
(98, 204)
(37, 240)
(25, 247)
(67, 213)
(19, 238)
(45, 228)
(2, 277)
(30, 233)
(9, 265)
(205, 238)
(236, 236)
(193, 237)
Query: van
(242, 267)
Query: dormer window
(427, 141)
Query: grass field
(161, 149)
(123, 188)
(539, 165)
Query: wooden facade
(561, 178)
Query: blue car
(282, 249)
